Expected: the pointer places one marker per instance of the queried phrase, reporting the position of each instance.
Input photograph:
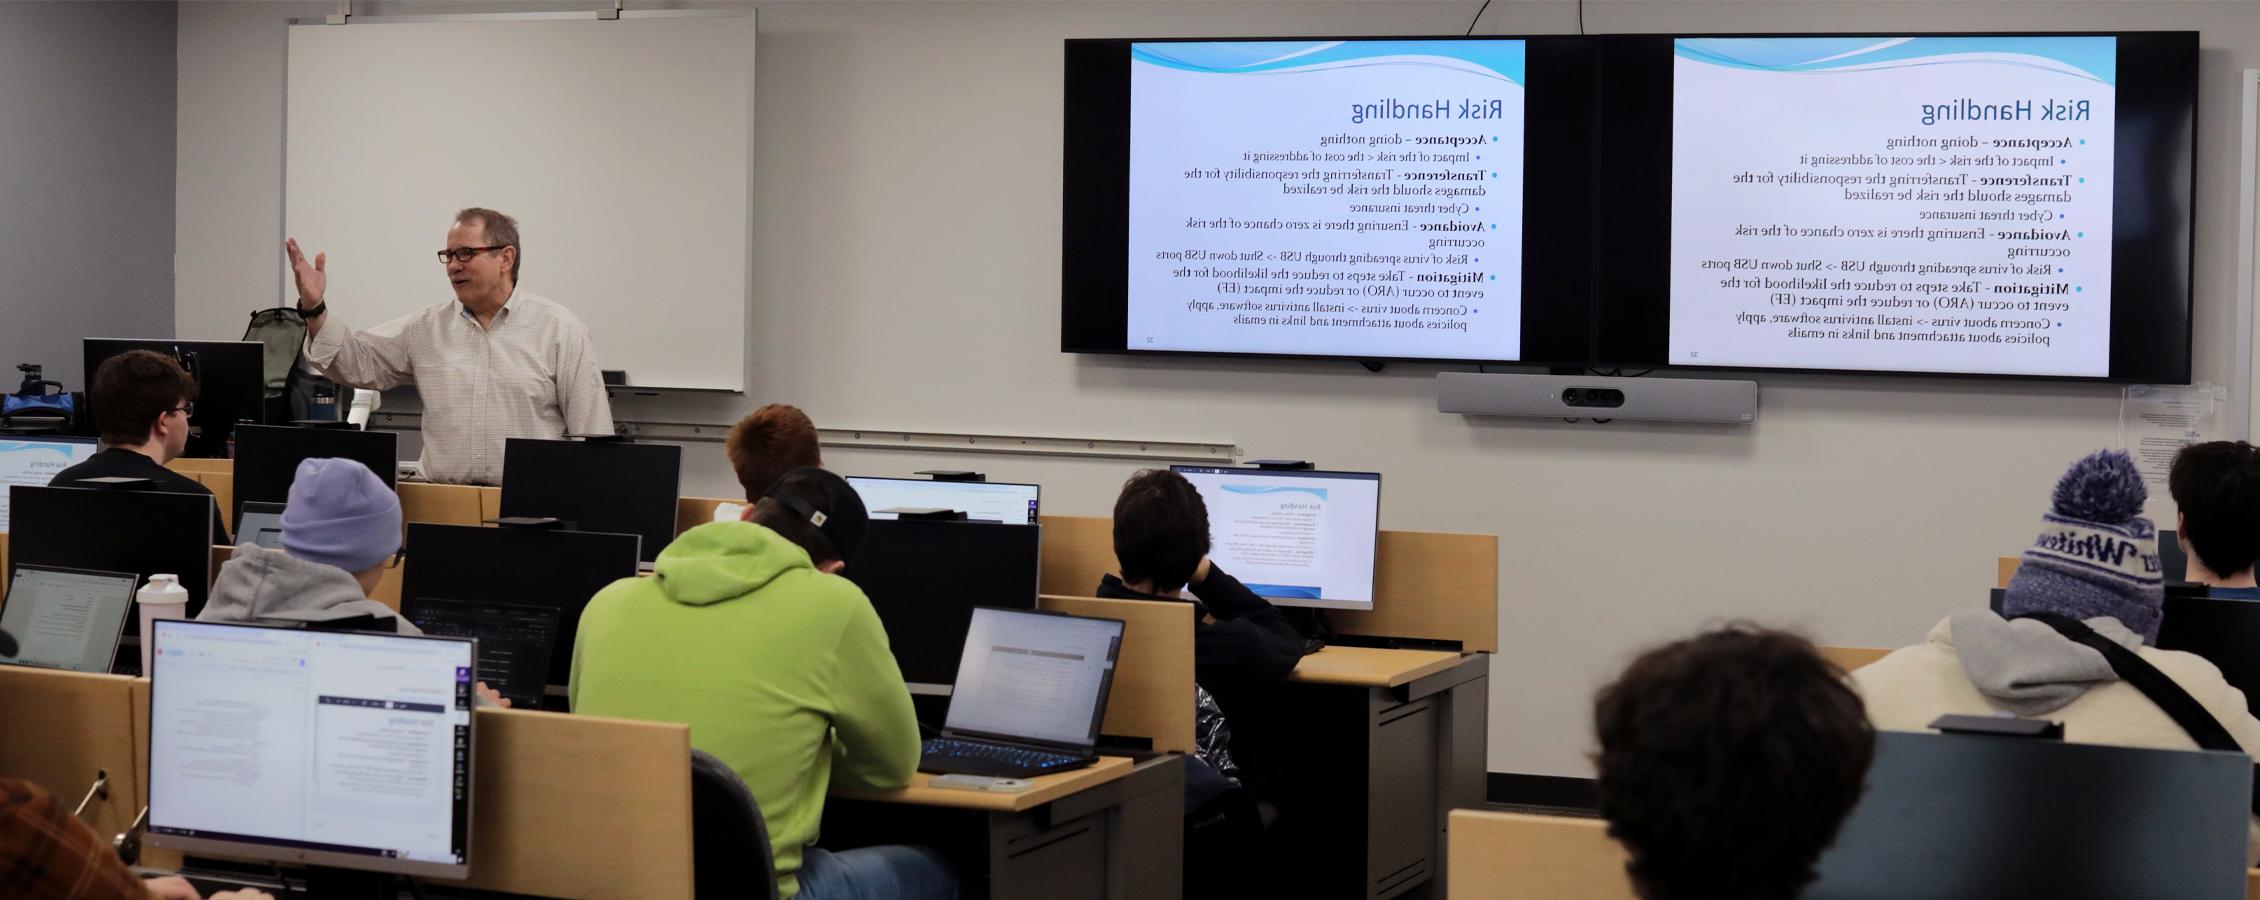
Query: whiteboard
(622, 147)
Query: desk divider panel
(691, 512)
(441, 504)
(4, 570)
(1850, 658)
(1510, 856)
(62, 727)
(192, 466)
(580, 806)
(1428, 585)
(1153, 681)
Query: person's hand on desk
(174, 887)
(312, 280)
(491, 697)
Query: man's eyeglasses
(463, 254)
(186, 409)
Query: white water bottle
(161, 598)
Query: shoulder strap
(2142, 676)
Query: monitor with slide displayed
(348, 750)
(1359, 198)
(1300, 538)
(36, 461)
(989, 501)
(66, 618)
(2000, 204)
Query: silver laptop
(261, 525)
(66, 618)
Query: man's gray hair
(501, 231)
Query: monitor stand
(347, 884)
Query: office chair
(727, 835)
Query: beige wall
(906, 276)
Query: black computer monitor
(605, 486)
(1971, 817)
(115, 530)
(267, 458)
(2172, 559)
(925, 578)
(2225, 632)
(231, 384)
(525, 566)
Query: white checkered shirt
(532, 374)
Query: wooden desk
(58, 729)
(1371, 667)
(1403, 735)
(1047, 789)
(1510, 856)
(1114, 831)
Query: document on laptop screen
(1033, 676)
(66, 620)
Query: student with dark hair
(142, 400)
(1161, 541)
(2217, 487)
(1242, 646)
(1727, 763)
(769, 442)
(780, 667)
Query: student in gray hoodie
(341, 525)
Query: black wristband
(316, 312)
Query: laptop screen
(514, 642)
(261, 525)
(66, 618)
(1035, 676)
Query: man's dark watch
(316, 312)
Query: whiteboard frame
(283, 286)
(2247, 258)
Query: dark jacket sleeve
(1250, 641)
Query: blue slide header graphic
(2093, 57)
(1499, 59)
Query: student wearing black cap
(747, 634)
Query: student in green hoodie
(781, 669)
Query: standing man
(497, 363)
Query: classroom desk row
(1513, 856)
(544, 825)
(1397, 735)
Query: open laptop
(514, 642)
(1030, 692)
(67, 618)
(260, 524)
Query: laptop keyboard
(983, 758)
